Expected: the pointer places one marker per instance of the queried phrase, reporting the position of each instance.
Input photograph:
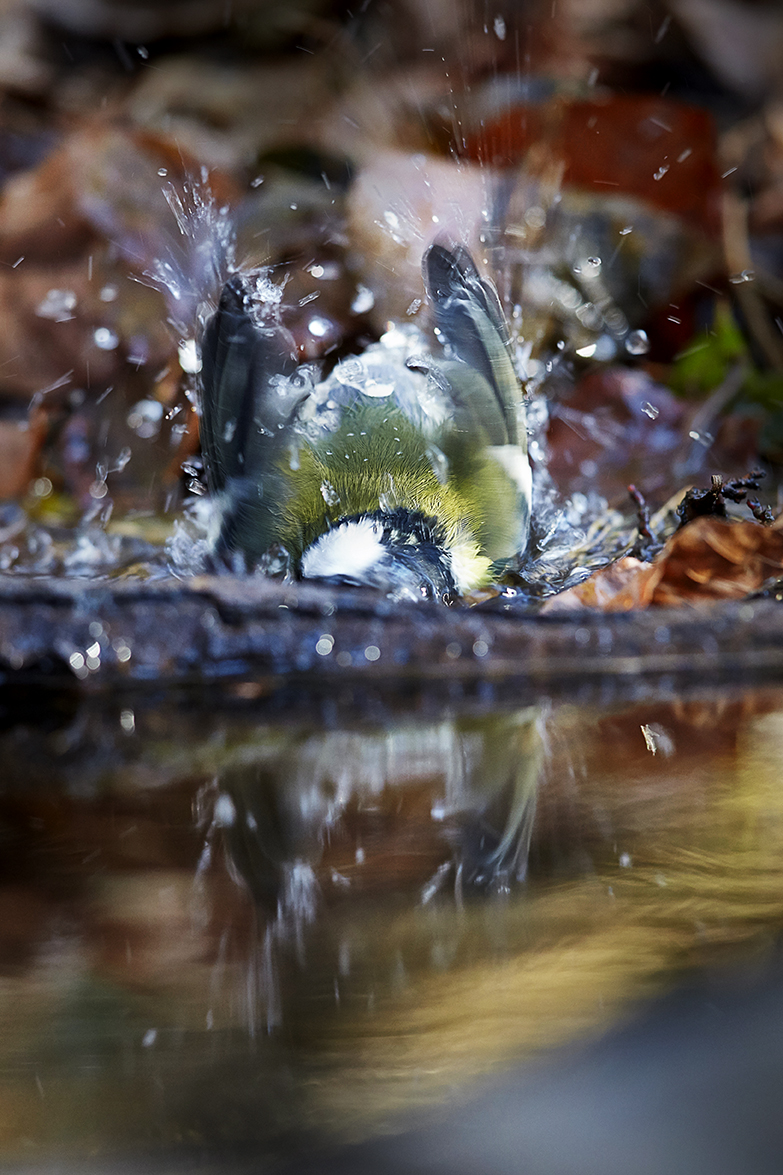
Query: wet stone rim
(102, 635)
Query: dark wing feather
(244, 414)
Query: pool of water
(265, 919)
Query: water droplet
(57, 305)
(363, 301)
(329, 494)
(589, 316)
(499, 26)
(388, 500)
(128, 721)
(108, 294)
(372, 653)
(105, 339)
(324, 645)
(637, 342)
(480, 648)
(650, 410)
(439, 463)
(616, 321)
(162, 172)
(145, 418)
(377, 389)
(661, 172)
(319, 327)
(122, 649)
(224, 813)
(747, 275)
(189, 357)
(42, 487)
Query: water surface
(266, 918)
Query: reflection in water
(362, 808)
(232, 921)
(315, 818)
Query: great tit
(397, 471)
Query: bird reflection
(422, 807)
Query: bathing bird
(403, 470)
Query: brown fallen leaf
(716, 559)
(620, 587)
(709, 559)
(621, 140)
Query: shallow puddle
(253, 918)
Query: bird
(403, 471)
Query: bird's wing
(470, 319)
(246, 405)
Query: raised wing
(471, 321)
(246, 405)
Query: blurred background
(615, 165)
(441, 927)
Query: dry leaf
(709, 559)
(620, 587)
(715, 559)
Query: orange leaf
(709, 559)
(620, 587)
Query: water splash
(195, 268)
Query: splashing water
(572, 537)
(192, 275)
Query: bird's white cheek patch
(351, 549)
